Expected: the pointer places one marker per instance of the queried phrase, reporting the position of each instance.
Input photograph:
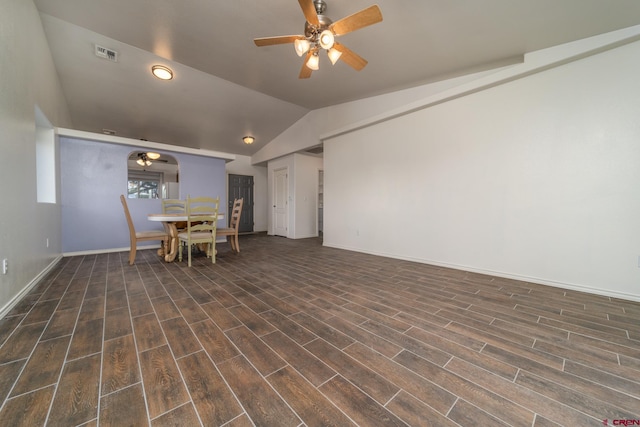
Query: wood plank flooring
(291, 333)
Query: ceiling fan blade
(309, 11)
(369, 16)
(268, 41)
(305, 72)
(352, 59)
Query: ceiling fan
(144, 159)
(320, 33)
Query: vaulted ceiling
(225, 87)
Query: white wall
(533, 178)
(307, 131)
(28, 80)
(242, 166)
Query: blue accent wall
(94, 175)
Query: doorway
(241, 187)
(280, 196)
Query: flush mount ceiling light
(153, 156)
(162, 72)
(320, 33)
(248, 140)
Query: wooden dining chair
(175, 206)
(234, 223)
(202, 219)
(140, 236)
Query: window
(145, 185)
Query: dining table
(170, 221)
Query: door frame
(274, 217)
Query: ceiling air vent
(103, 52)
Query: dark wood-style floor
(291, 333)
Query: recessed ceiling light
(162, 72)
(248, 140)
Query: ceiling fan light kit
(314, 61)
(142, 162)
(301, 46)
(334, 55)
(320, 33)
(144, 159)
(326, 39)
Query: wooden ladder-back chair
(140, 236)
(175, 206)
(202, 219)
(234, 223)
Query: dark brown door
(241, 186)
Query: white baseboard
(16, 299)
(107, 251)
(125, 249)
(305, 236)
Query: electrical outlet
(5, 266)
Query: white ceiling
(225, 87)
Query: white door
(280, 196)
